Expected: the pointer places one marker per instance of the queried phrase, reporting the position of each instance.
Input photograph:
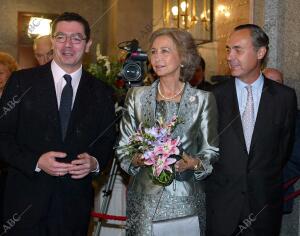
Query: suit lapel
(148, 99)
(229, 113)
(46, 81)
(264, 114)
(184, 102)
(47, 96)
(81, 103)
(235, 117)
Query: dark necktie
(66, 105)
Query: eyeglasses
(74, 38)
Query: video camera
(134, 66)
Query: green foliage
(108, 71)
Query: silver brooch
(192, 98)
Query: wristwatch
(198, 165)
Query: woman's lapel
(148, 104)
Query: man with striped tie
(256, 128)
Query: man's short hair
(259, 37)
(71, 16)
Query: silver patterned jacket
(198, 135)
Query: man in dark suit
(256, 128)
(55, 133)
(198, 79)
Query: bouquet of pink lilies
(158, 149)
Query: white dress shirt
(60, 83)
(242, 93)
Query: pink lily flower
(170, 147)
(150, 158)
(163, 163)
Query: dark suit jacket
(30, 126)
(257, 175)
(292, 168)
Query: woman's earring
(181, 65)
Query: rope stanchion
(108, 217)
(106, 199)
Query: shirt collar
(58, 73)
(255, 85)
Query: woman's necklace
(169, 98)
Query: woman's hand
(138, 160)
(187, 163)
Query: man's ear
(261, 53)
(88, 45)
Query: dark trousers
(254, 223)
(245, 226)
(2, 187)
(52, 225)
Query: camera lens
(132, 71)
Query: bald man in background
(42, 48)
(273, 74)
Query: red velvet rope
(292, 196)
(290, 182)
(107, 217)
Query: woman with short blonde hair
(177, 207)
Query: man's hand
(82, 166)
(47, 162)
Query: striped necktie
(248, 118)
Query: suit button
(243, 192)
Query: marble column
(282, 24)
(271, 26)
